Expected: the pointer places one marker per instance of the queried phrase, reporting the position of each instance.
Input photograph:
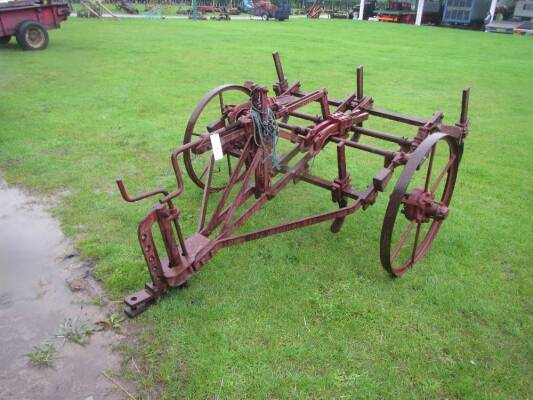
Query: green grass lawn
(306, 314)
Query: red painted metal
(255, 176)
(49, 14)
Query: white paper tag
(217, 146)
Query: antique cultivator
(229, 151)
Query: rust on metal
(247, 135)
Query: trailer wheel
(32, 36)
(5, 39)
(264, 17)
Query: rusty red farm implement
(240, 138)
(30, 20)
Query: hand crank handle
(174, 158)
(132, 199)
(177, 172)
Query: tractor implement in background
(243, 138)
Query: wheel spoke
(430, 166)
(402, 240)
(204, 171)
(417, 235)
(444, 171)
(221, 101)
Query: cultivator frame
(257, 174)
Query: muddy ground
(43, 282)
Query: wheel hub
(34, 38)
(420, 206)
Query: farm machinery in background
(404, 12)
(511, 18)
(269, 10)
(318, 8)
(127, 6)
(198, 12)
(315, 10)
(232, 152)
(397, 11)
(30, 20)
(94, 9)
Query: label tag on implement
(217, 146)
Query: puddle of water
(36, 261)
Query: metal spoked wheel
(212, 113)
(422, 196)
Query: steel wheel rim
(189, 132)
(34, 37)
(398, 195)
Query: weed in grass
(99, 301)
(77, 331)
(42, 356)
(113, 321)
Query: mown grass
(307, 314)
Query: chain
(268, 131)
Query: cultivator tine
(250, 131)
(343, 183)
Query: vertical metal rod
(464, 105)
(341, 160)
(180, 238)
(324, 105)
(360, 94)
(359, 82)
(279, 68)
(341, 167)
(205, 196)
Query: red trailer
(29, 21)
